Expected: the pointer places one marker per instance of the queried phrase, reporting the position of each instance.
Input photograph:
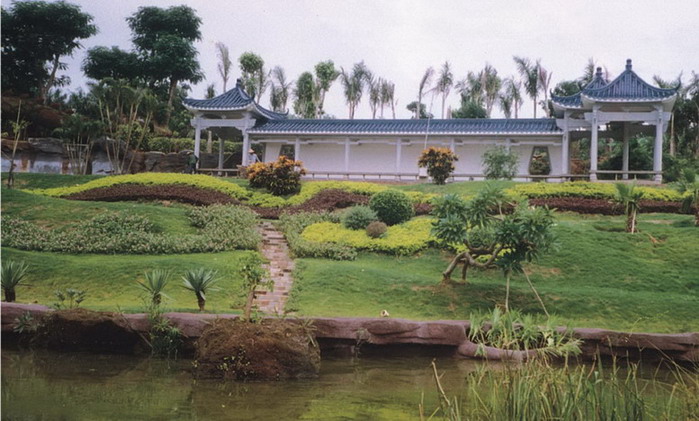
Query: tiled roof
(627, 87)
(234, 99)
(407, 127)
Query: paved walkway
(280, 266)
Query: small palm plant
(630, 198)
(13, 273)
(200, 280)
(156, 280)
(689, 183)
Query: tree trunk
(631, 222)
(507, 292)
(45, 89)
(9, 295)
(156, 300)
(201, 301)
(534, 106)
(171, 95)
(446, 275)
(248, 305)
(696, 212)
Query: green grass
(110, 280)
(599, 277)
(47, 181)
(466, 188)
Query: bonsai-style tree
(199, 281)
(254, 276)
(485, 236)
(439, 163)
(630, 198)
(689, 183)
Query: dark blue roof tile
(234, 99)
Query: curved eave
(342, 133)
(252, 107)
(665, 100)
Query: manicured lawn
(110, 280)
(599, 277)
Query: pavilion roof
(235, 99)
(627, 87)
(408, 127)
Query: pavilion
(386, 148)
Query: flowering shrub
(358, 217)
(280, 177)
(392, 206)
(403, 239)
(439, 163)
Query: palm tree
(200, 280)
(689, 184)
(325, 76)
(512, 90)
(491, 83)
(353, 85)
(388, 90)
(630, 198)
(156, 280)
(424, 87)
(280, 89)
(375, 84)
(530, 77)
(445, 81)
(471, 88)
(224, 65)
(544, 82)
(12, 274)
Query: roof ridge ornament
(239, 83)
(628, 64)
(598, 73)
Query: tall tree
(102, 62)
(374, 85)
(280, 89)
(491, 84)
(165, 40)
(530, 77)
(388, 90)
(445, 81)
(512, 91)
(353, 85)
(326, 74)
(544, 82)
(35, 36)
(305, 93)
(224, 63)
(423, 87)
(254, 74)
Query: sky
(399, 39)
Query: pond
(41, 385)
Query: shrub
(392, 206)
(376, 229)
(358, 217)
(499, 163)
(12, 274)
(199, 281)
(293, 226)
(439, 163)
(280, 177)
(588, 190)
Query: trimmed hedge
(293, 225)
(179, 193)
(392, 206)
(587, 190)
(404, 239)
(604, 206)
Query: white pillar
(565, 146)
(209, 141)
(593, 146)
(220, 152)
(658, 147)
(452, 145)
(347, 155)
(197, 142)
(399, 152)
(297, 149)
(625, 153)
(508, 143)
(246, 148)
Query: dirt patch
(85, 330)
(604, 206)
(163, 192)
(270, 350)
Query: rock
(12, 311)
(271, 350)
(47, 145)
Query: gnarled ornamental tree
(485, 236)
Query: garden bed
(176, 192)
(604, 206)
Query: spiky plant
(630, 198)
(689, 183)
(13, 272)
(199, 281)
(156, 280)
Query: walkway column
(565, 146)
(197, 141)
(658, 147)
(347, 156)
(246, 148)
(625, 153)
(593, 146)
(399, 152)
(452, 146)
(220, 152)
(297, 149)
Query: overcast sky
(398, 40)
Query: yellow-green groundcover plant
(403, 239)
(587, 190)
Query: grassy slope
(110, 279)
(598, 278)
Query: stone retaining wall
(333, 332)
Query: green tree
(511, 97)
(353, 84)
(326, 74)
(500, 163)
(254, 75)
(388, 90)
(630, 199)
(445, 81)
(200, 281)
(305, 93)
(254, 276)
(439, 163)
(224, 63)
(13, 272)
(35, 36)
(423, 88)
(689, 184)
(115, 63)
(280, 89)
(469, 109)
(491, 83)
(374, 87)
(530, 77)
(412, 107)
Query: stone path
(280, 266)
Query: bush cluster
(376, 229)
(392, 206)
(280, 177)
(403, 239)
(588, 190)
(221, 228)
(358, 217)
(439, 163)
(292, 225)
